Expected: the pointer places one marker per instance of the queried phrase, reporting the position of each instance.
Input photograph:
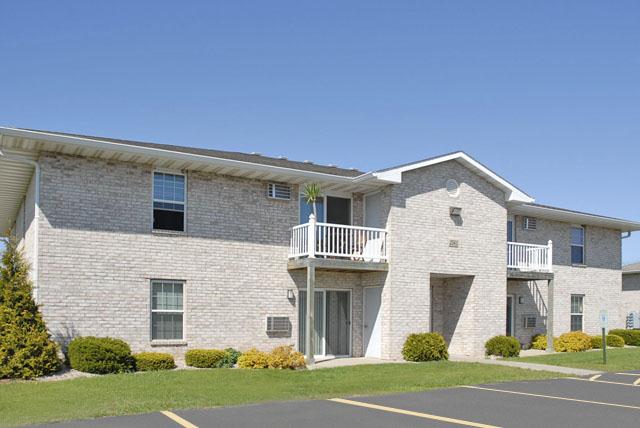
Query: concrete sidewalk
(530, 366)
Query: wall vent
(279, 191)
(530, 223)
(530, 321)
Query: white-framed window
(167, 310)
(169, 201)
(577, 312)
(577, 245)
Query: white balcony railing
(530, 257)
(356, 243)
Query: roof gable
(512, 193)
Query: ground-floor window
(167, 310)
(577, 310)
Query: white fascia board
(173, 155)
(513, 194)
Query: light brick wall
(98, 255)
(599, 280)
(420, 229)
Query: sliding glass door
(332, 326)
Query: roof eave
(174, 155)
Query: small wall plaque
(454, 243)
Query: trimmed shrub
(539, 342)
(425, 347)
(631, 337)
(253, 359)
(204, 358)
(101, 355)
(503, 346)
(284, 357)
(26, 350)
(613, 341)
(575, 341)
(230, 358)
(152, 361)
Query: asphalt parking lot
(608, 400)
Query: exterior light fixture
(290, 294)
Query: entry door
(338, 210)
(510, 315)
(372, 321)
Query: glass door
(338, 316)
(318, 328)
(332, 324)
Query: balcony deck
(529, 261)
(337, 247)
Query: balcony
(529, 260)
(338, 246)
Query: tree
(26, 349)
(311, 193)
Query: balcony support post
(311, 237)
(550, 256)
(550, 304)
(310, 321)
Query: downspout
(36, 219)
(626, 236)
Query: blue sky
(545, 93)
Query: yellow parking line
(600, 381)
(592, 378)
(411, 413)
(637, 382)
(554, 397)
(177, 419)
(629, 374)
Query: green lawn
(618, 359)
(38, 402)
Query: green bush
(26, 350)
(425, 347)
(204, 358)
(503, 346)
(230, 358)
(575, 341)
(152, 361)
(613, 341)
(631, 337)
(101, 355)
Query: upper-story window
(577, 245)
(168, 201)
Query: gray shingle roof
(633, 267)
(222, 154)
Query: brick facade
(98, 254)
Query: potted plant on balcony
(311, 193)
